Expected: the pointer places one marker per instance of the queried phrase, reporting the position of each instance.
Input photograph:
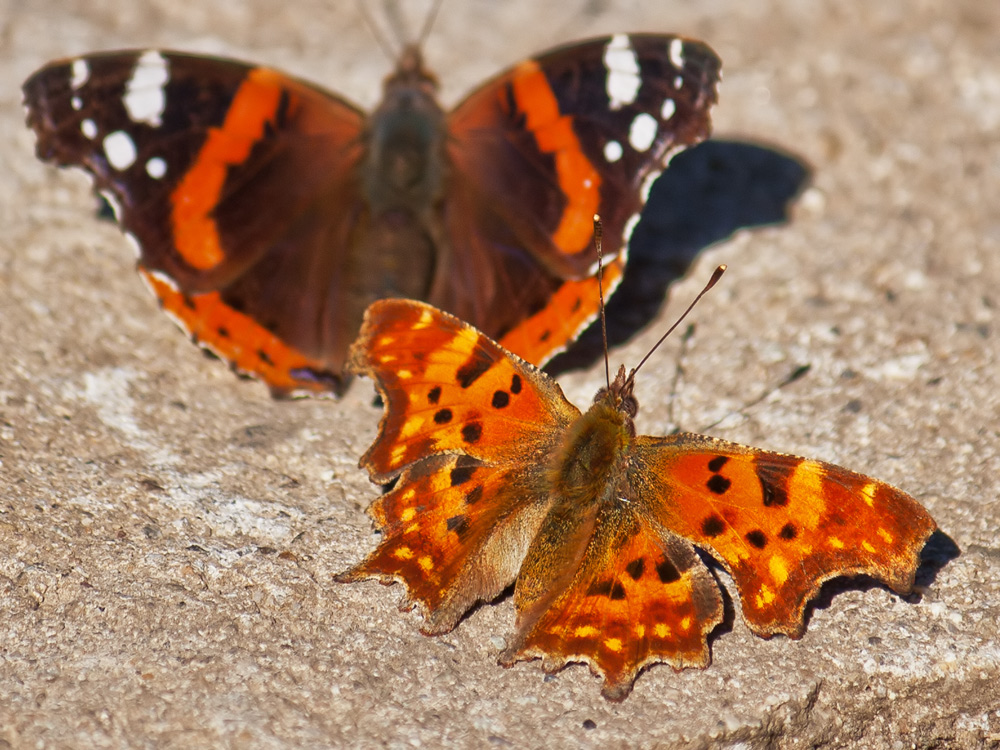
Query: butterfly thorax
(404, 164)
(593, 460)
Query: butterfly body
(501, 480)
(269, 212)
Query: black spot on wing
(712, 526)
(635, 568)
(775, 476)
(461, 475)
(474, 495)
(667, 571)
(471, 432)
(718, 484)
(610, 588)
(458, 524)
(716, 464)
(475, 366)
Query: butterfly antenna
(429, 22)
(711, 282)
(380, 39)
(395, 19)
(598, 235)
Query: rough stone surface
(168, 534)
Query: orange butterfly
(502, 480)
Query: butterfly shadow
(939, 550)
(708, 193)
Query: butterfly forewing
(606, 115)
(780, 524)
(236, 183)
(449, 389)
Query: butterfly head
(411, 73)
(619, 397)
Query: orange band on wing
(240, 340)
(195, 232)
(578, 179)
(572, 307)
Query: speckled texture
(168, 534)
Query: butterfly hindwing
(615, 593)
(454, 532)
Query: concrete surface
(168, 534)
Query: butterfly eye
(630, 405)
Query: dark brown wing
(541, 149)
(239, 184)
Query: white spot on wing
(80, 72)
(622, 83)
(668, 109)
(145, 93)
(76, 103)
(642, 131)
(678, 83)
(116, 207)
(613, 151)
(647, 184)
(156, 167)
(119, 149)
(89, 128)
(677, 53)
(629, 228)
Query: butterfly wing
(541, 149)
(781, 525)
(600, 585)
(467, 429)
(237, 182)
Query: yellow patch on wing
(765, 597)
(425, 320)
(807, 481)
(868, 494)
(779, 570)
